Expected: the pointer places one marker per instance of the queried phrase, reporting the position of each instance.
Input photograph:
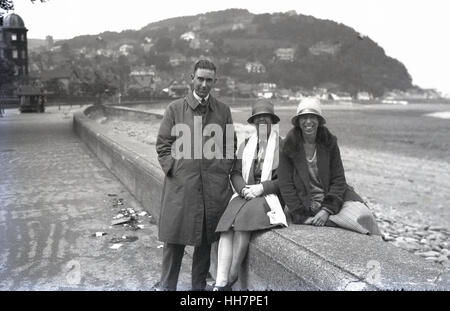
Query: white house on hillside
(125, 49)
(188, 36)
(285, 54)
(255, 67)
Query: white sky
(416, 32)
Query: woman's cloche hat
(263, 107)
(308, 105)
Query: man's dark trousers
(172, 257)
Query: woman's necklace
(310, 151)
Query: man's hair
(205, 64)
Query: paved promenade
(54, 195)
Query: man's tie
(202, 107)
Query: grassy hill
(326, 52)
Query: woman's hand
(252, 191)
(319, 219)
(308, 221)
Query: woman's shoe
(226, 288)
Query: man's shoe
(157, 288)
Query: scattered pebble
(429, 242)
(116, 246)
(99, 234)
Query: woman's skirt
(243, 215)
(355, 216)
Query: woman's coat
(294, 178)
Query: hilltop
(291, 50)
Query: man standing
(196, 187)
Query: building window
(2, 54)
(24, 54)
(16, 70)
(24, 70)
(15, 54)
(13, 37)
(22, 37)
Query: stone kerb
(295, 258)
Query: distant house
(285, 94)
(324, 48)
(177, 89)
(344, 96)
(255, 67)
(421, 94)
(141, 81)
(363, 96)
(297, 95)
(125, 49)
(105, 52)
(238, 26)
(266, 90)
(188, 36)
(285, 54)
(265, 86)
(177, 59)
(410, 94)
(321, 92)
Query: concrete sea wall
(295, 258)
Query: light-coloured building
(177, 60)
(285, 54)
(266, 90)
(237, 26)
(342, 96)
(125, 49)
(141, 80)
(364, 96)
(255, 67)
(324, 48)
(188, 36)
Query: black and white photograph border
(84, 88)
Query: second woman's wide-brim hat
(263, 107)
(308, 105)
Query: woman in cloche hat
(312, 179)
(256, 203)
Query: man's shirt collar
(198, 98)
